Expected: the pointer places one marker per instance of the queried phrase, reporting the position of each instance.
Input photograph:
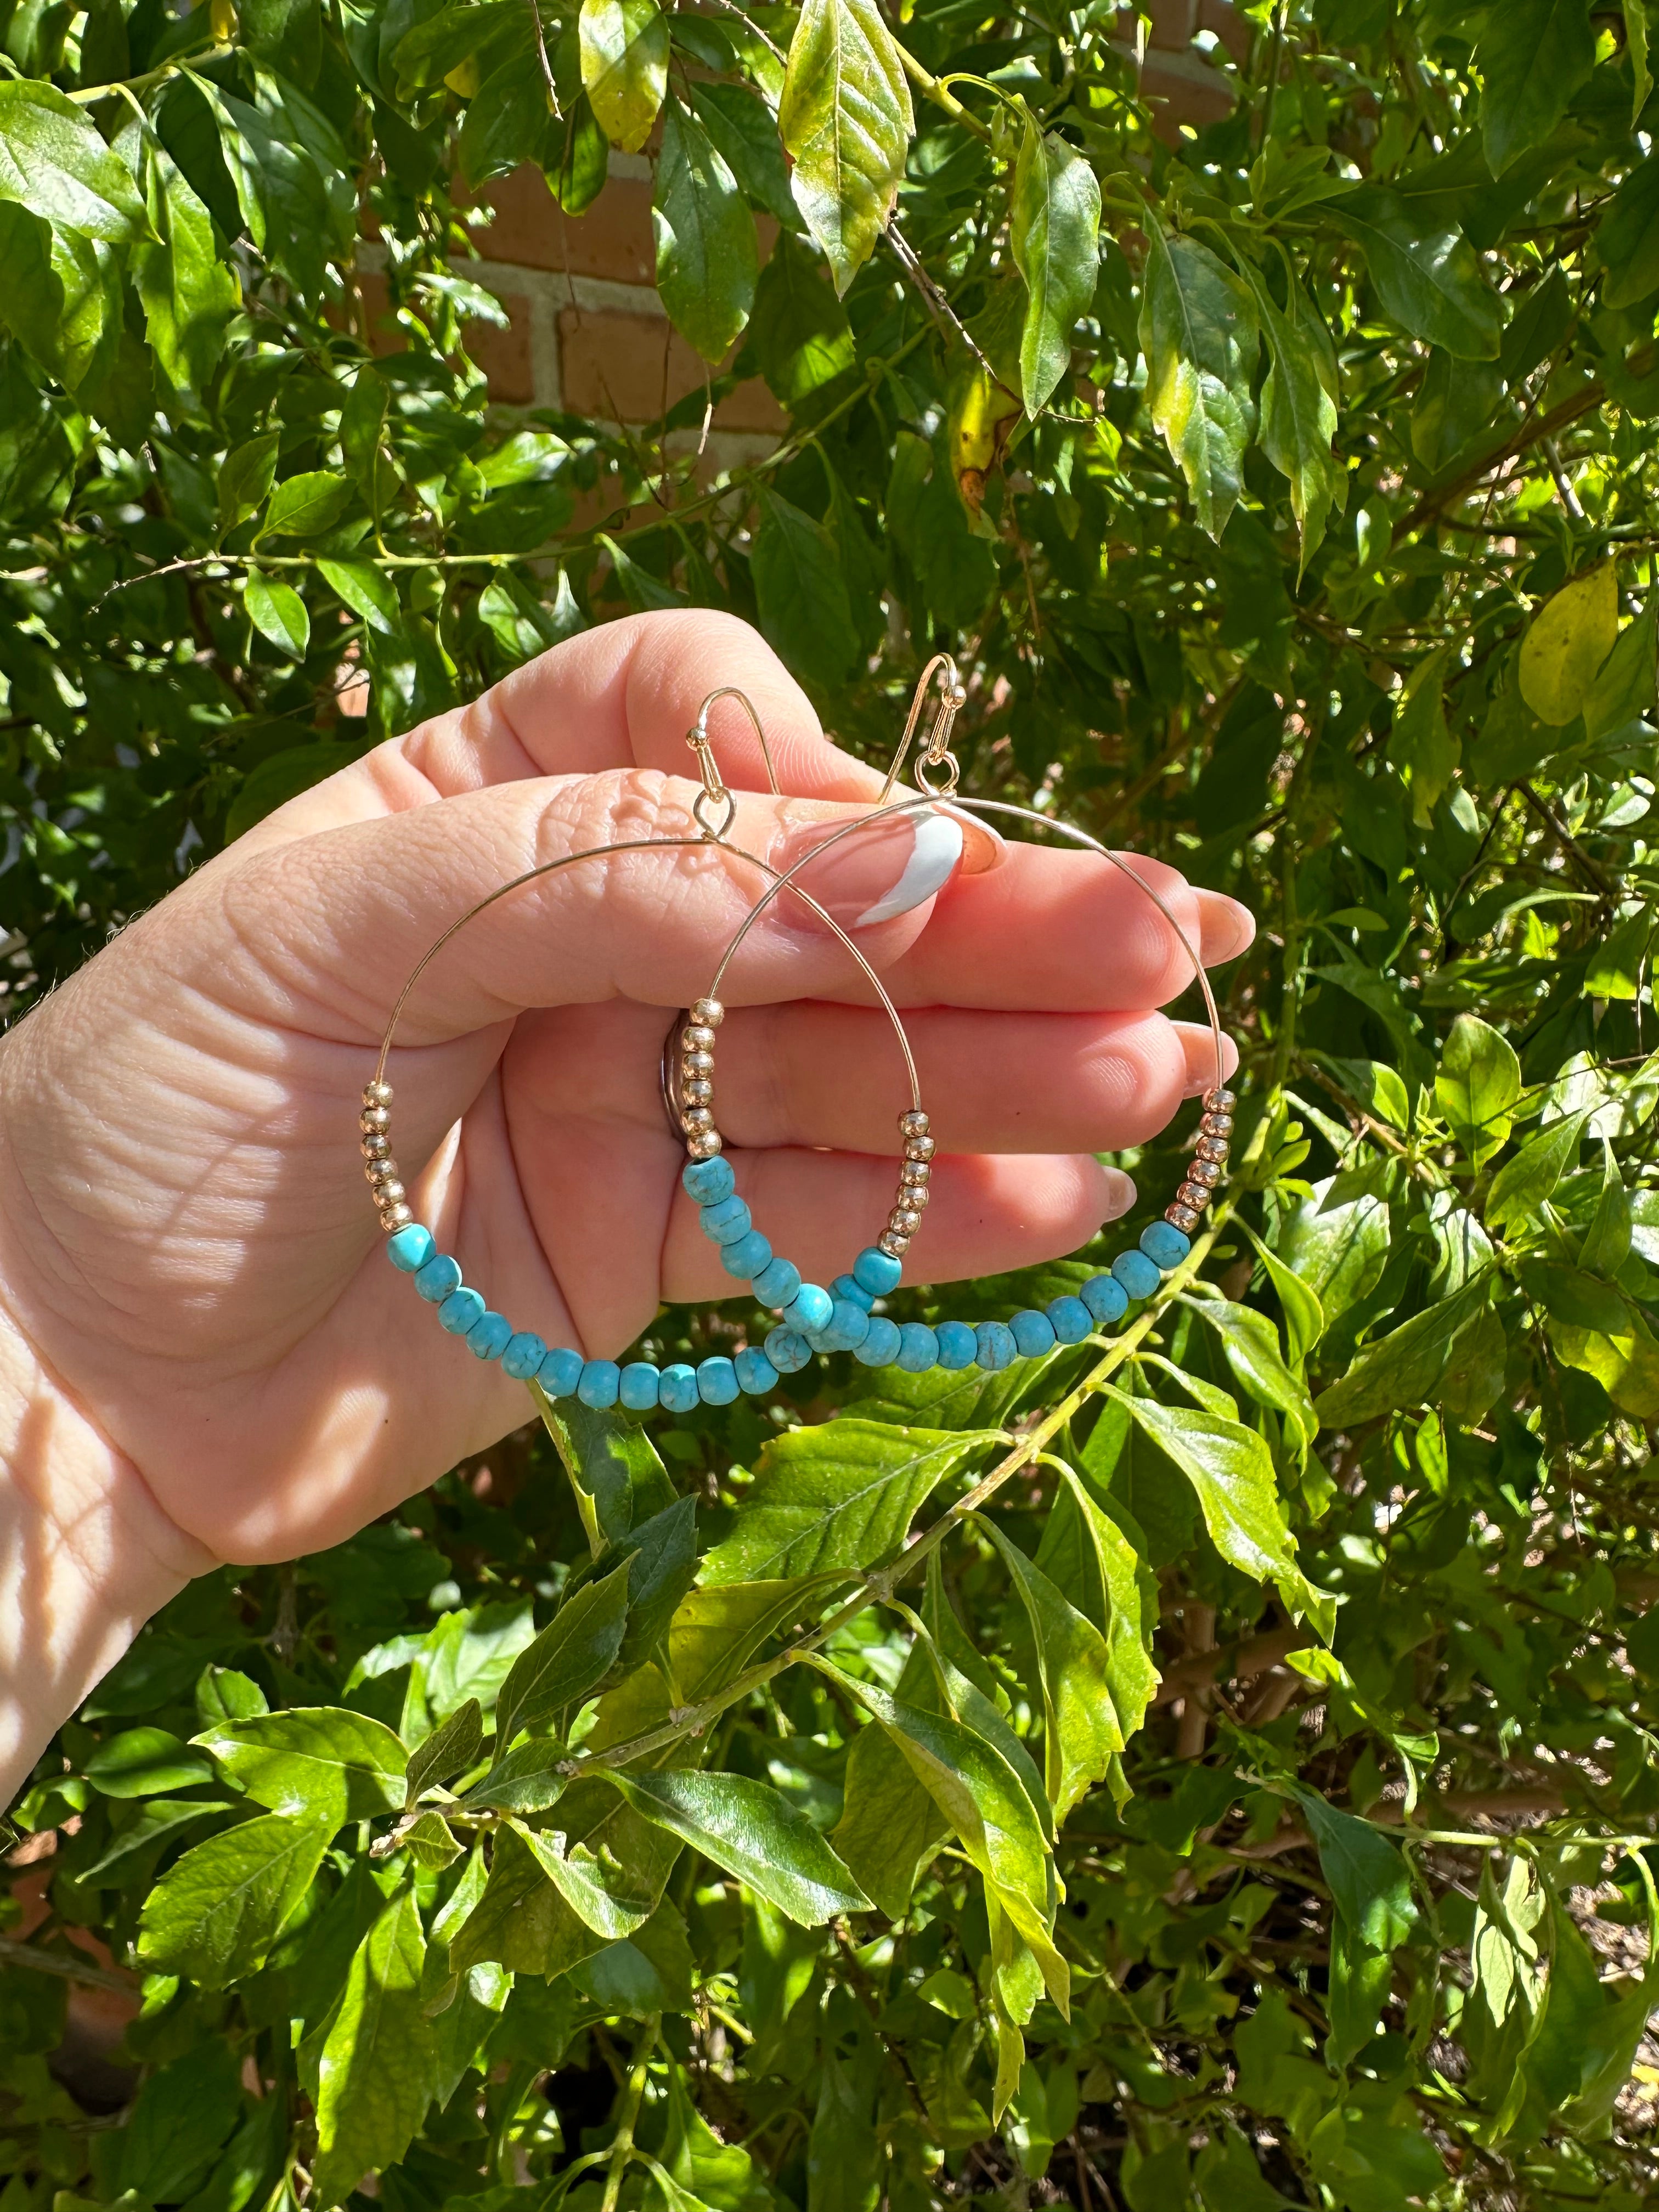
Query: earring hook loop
(935, 752)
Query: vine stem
(877, 1586)
(941, 95)
(622, 2148)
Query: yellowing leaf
(1570, 638)
(624, 54)
(846, 119)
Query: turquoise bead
(881, 1342)
(1033, 1333)
(1070, 1320)
(717, 1381)
(726, 1222)
(523, 1356)
(461, 1310)
(489, 1337)
(438, 1277)
(849, 1287)
(754, 1372)
(918, 1348)
(708, 1180)
(1137, 1274)
(1164, 1245)
(957, 1345)
(410, 1248)
(788, 1351)
(601, 1385)
(878, 1271)
(639, 1386)
(776, 1283)
(748, 1257)
(1106, 1299)
(810, 1309)
(560, 1373)
(678, 1388)
(845, 1330)
(996, 1347)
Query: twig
(64, 1963)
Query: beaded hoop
(811, 1319)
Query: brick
(528, 227)
(504, 355)
(612, 366)
(1183, 88)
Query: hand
(204, 1353)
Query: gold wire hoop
(716, 793)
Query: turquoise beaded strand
(811, 1320)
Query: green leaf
(307, 505)
(245, 476)
(1232, 1473)
(1298, 407)
(54, 161)
(613, 1467)
(1055, 233)
(1627, 238)
(507, 124)
(1422, 747)
(375, 2077)
(651, 1972)
(1617, 965)
(573, 1653)
(835, 1498)
(985, 1802)
(367, 590)
(144, 1762)
(1336, 1240)
(805, 610)
(1532, 54)
(1623, 691)
(217, 1912)
(1090, 1557)
(448, 1751)
(277, 612)
(624, 59)
(1198, 332)
(705, 252)
(525, 1780)
(1367, 1874)
(745, 132)
(1636, 38)
(1521, 1186)
(890, 1826)
(606, 1898)
(1082, 1733)
(800, 335)
(189, 293)
(160, 1817)
(1402, 1368)
(846, 122)
(1477, 1086)
(1566, 643)
(752, 1832)
(318, 1760)
(1429, 280)
(1249, 1343)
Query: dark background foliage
(1285, 487)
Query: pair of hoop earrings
(811, 1320)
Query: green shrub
(1285, 488)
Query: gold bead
(1205, 1172)
(904, 1221)
(1185, 1218)
(395, 1216)
(390, 1193)
(377, 1094)
(1194, 1195)
(1220, 1101)
(1211, 1148)
(914, 1174)
(919, 1148)
(892, 1244)
(379, 1171)
(913, 1123)
(374, 1119)
(702, 1143)
(697, 1036)
(1216, 1125)
(915, 1195)
(697, 1092)
(697, 1063)
(376, 1145)
(708, 1013)
(697, 1119)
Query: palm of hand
(184, 1237)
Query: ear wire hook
(715, 791)
(935, 753)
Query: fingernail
(1225, 927)
(871, 876)
(1121, 1194)
(1198, 1043)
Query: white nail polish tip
(935, 853)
